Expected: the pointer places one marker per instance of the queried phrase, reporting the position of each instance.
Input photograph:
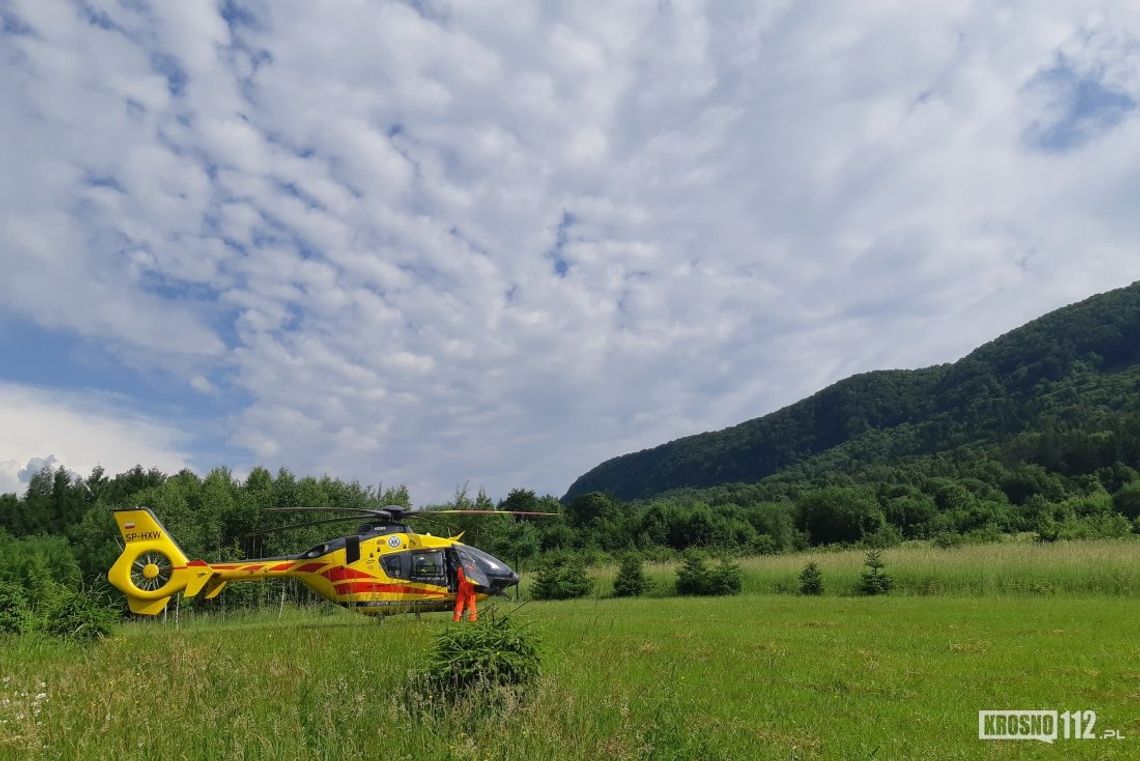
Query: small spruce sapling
(811, 580)
(875, 580)
(631, 580)
(694, 577)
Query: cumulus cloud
(35, 465)
(14, 475)
(79, 430)
(499, 242)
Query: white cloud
(79, 430)
(500, 245)
(15, 474)
(10, 482)
(202, 384)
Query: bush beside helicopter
(385, 567)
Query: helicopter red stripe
(254, 567)
(358, 587)
(282, 567)
(340, 573)
(224, 567)
(310, 567)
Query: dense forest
(1037, 431)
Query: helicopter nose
(501, 576)
(503, 579)
(497, 575)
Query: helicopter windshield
(470, 559)
(487, 561)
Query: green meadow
(761, 675)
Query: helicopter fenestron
(385, 567)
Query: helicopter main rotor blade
(474, 512)
(325, 508)
(275, 529)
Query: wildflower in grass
(20, 712)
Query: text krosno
(1017, 725)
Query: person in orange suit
(464, 597)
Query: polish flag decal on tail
(128, 525)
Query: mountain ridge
(992, 393)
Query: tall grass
(1101, 567)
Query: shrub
(55, 609)
(631, 580)
(15, 611)
(875, 580)
(984, 535)
(887, 536)
(74, 614)
(839, 514)
(561, 577)
(1048, 529)
(492, 659)
(1104, 526)
(946, 539)
(811, 580)
(694, 577)
(764, 544)
(1127, 500)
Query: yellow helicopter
(385, 567)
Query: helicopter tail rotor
(152, 567)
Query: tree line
(1062, 483)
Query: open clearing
(756, 676)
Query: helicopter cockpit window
(394, 566)
(317, 551)
(429, 567)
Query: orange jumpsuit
(464, 596)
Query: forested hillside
(1070, 374)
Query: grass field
(757, 676)
(761, 675)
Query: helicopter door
(351, 549)
(471, 568)
(428, 567)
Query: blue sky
(496, 243)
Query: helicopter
(385, 567)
